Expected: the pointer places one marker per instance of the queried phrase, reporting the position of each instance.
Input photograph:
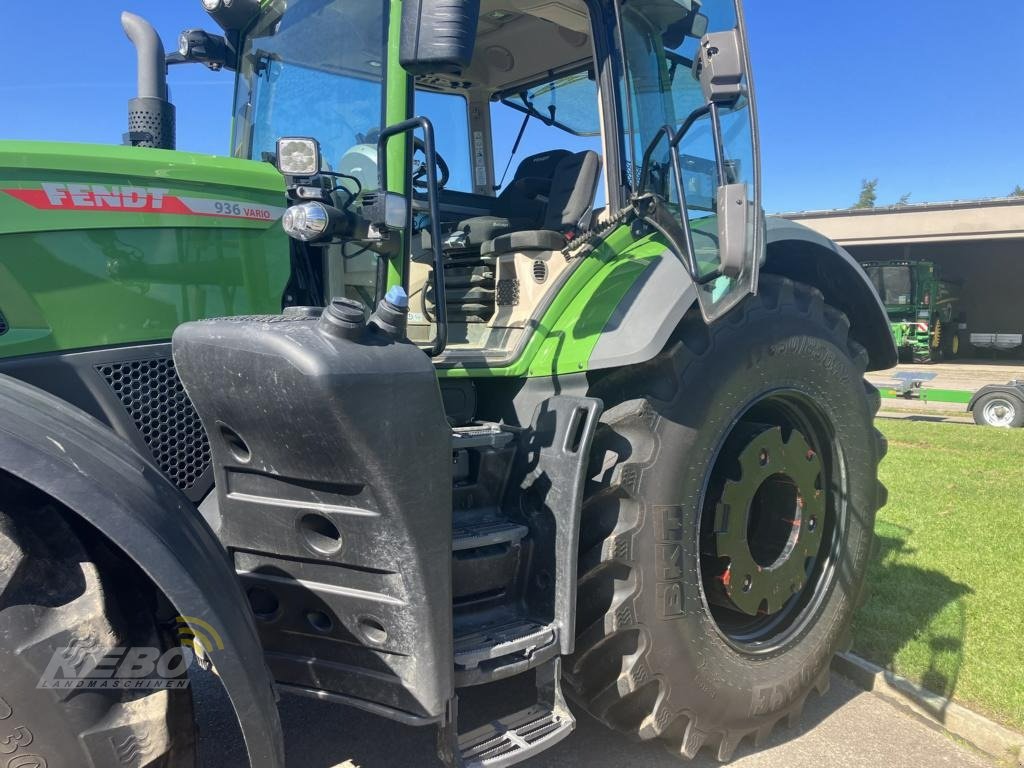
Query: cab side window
(449, 113)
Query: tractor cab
(549, 125)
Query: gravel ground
(847, 728)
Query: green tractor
(924, 310)
(344, 416)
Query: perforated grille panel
(508, 293)
(151, 123)
(152, 394)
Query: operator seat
(569, 208)
(519, 206)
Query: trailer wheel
(727, 524)
(998, 409)
(59, 598)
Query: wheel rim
(999, 412)
(769, 523)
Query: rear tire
(662, 650)
(59, 591)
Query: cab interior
(520, 131)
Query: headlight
(298, 157)
(211, 5)
(184, 44)
(306, 222)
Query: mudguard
(801, 254)
(1014, 388)
(652, 309)
(82, 464)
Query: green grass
(945, 605)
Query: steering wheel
(420, 170)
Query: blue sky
(918, 93)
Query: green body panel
(105, 245)
(569, 329)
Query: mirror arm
(716, 133)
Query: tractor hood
(47, 186)
(110, 246)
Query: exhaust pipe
(151, 117)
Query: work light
(232, 15)
(306, 222)
(298, 157)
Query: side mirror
(438, 36)
(720, 68)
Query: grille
(540, 271)
(508, 293)
(3, 324)
(153, 396)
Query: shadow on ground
(911, 606)
(320, 734)
(903, 607)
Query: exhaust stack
(151, 117)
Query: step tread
(481, 435)
(485, 533)
(516, 737)
(501, 638)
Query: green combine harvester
(346, 415)
(924, 310)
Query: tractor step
(485, 533)
(481, 436)
(514, 636)
(516, 737)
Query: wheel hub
(1000, 413)
(769, 521)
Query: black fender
(652, 309)
(83, 465)
(1014, 389)
(801, 254)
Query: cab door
(691, 136)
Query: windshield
(894, 284)
(568, 102)
(314, 68)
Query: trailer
(994, 405)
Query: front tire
(672, 644)
(63, 593)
